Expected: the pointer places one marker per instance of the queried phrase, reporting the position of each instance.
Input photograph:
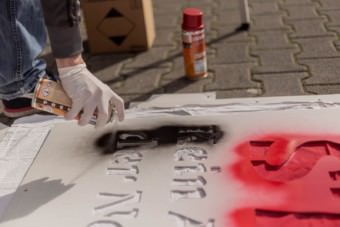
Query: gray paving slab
(107, 65)
(184, 85)
(271, 39)
(227, 17)
(317, 47)
(296, 3)
(231, 53)
(139, 81)
(337, 44)
(228, 5)
(323, 71)
(334, 29)
(268, 22)
(260, 8)
(153, 58)
(329, 4)
(306, 11)
(167, 22)
(165, 37)
(308, 28)
(282, 84)
(323, 89)
(232, 76)
(277, 61)
(333, 16)
(177, 69)
(228, 34)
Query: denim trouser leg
(22, 38)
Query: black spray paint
(164, 135)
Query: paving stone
(184, 85)
(154, 57)
(107, 66)
(139, 81)
(250, 92)
(330, 4)
(301, 11)
(308, 28)
(167, 22)
(317, 47)
(268, 22)
(228, 17)
(231, 53)
(262, 1)
(323, 89)
(335, 29)
(276, 61)
(228, 34)
(168, 9)
(232, 76)
(337, 44)
(202, 4)
(323, 71)
(165, 38)
(164, 3)
(295, 2)
(333, 15)
(177, 69)
(282, 84)
(259, 8)
(228, 5)
(272, 39)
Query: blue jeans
(22, 38)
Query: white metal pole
(245, 17)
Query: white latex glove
(89, 94)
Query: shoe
(21, 106)
(18, 107)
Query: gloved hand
(89, 94)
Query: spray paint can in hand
(194, 49)
(49, 96)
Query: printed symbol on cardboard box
(113, 20)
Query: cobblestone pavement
(292, 48)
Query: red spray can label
(194, 49)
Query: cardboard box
(119, 25)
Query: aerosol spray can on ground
(194, 49)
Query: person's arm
(62, 18)
(88, 94)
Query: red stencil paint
(304, 169)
